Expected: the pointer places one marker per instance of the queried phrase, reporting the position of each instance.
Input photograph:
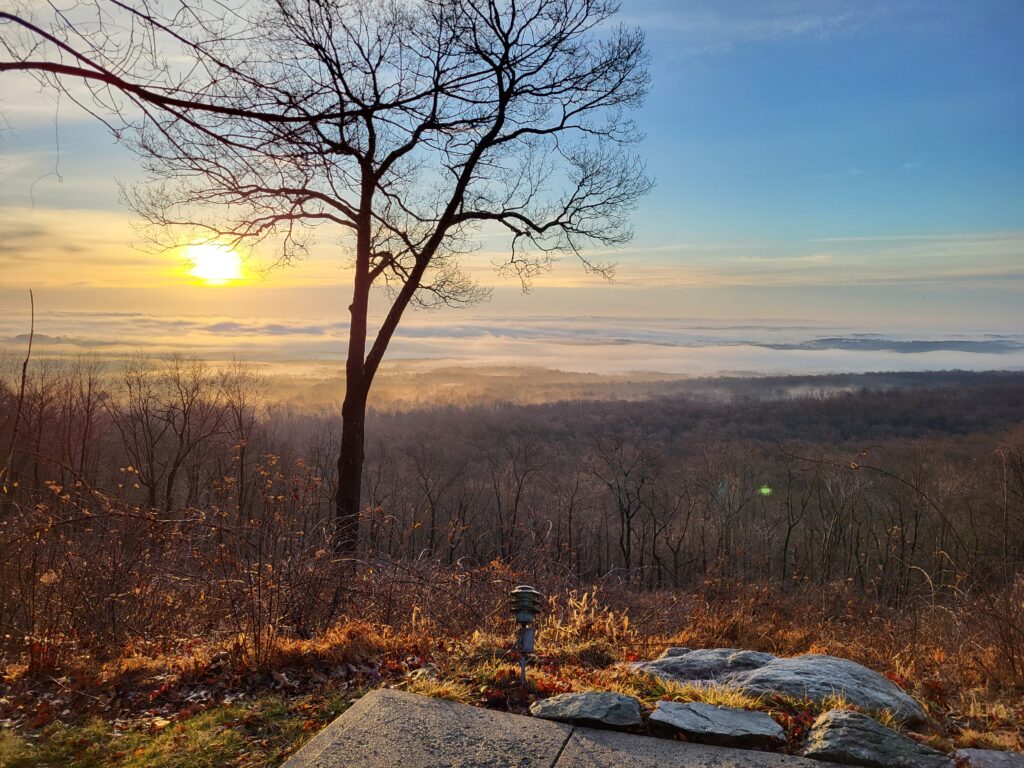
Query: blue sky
(854, 165)
(813, 119)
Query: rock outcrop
(715, 664)
(851, 738)
(810, 676)
(817, 678)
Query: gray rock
(988, 758)
(855, 739)
(589, 748)
(675, 651)
(426, 672)
(610, 710)
(707, 664)
(721, 726)
(817, 677)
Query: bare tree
(512, 465)
(244, 403)
(409, 126)
(628, 471)
(164, 414)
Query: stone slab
(394, 729)
(590, 748)
(718, 725)
(988, 758)
(600, 709)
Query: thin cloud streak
(704, 28)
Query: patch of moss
(252, 734)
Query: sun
(214, 263)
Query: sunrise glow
(327, 328)
(214, 263)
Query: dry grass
(650, 689)
(441, 689)
(354, 642)
(585, 642)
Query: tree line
(894, 491)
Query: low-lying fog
(461, 358)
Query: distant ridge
(989, 346)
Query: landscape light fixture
(525, 605)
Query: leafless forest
(170, 497)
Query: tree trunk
(353, 410)
(350, 472)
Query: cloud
(722, 26)
(814, 258)
(1011, 237)
(848, 173)
(601, 344)
(43, 339)
(906, 260)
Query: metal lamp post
(524, 602)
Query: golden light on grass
(214, 263)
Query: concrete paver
(394, 729)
